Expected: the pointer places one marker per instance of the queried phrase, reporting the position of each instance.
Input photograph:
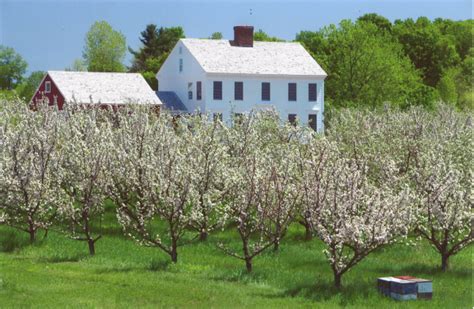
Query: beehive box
(383, 285)
(397, 296)
(405, 287)
(424, 288)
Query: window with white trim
(181, 65)
(47, 87)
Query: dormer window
(47, 87)
(181, 65)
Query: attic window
(47, 87)
(180, 50)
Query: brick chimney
(243, 36)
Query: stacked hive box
(402, 289)
(424, 288)
(405, 287)
(383, 284)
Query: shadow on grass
(158, 265)
(325, 290)
(12, 240)
(240, 275)
(423, 269)
(64, 258)
(116, 269)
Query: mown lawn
(57, 272)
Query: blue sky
(50, 34)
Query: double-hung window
(292, 92)
(198, 91)
(312, 92)
(238, 91)
(217, 91)
(265, 91)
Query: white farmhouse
(221, 77)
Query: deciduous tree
(104, 49)
(443, 183)
(30, 150)
(12, 68)
(85, 164)
(152, 181)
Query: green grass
(57, 272)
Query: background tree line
(370, 61)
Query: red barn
(85, 88)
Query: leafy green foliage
(216, 36)
(260, 35)
(27, 88)
(365, 66)
(381, 22)
(105, 49)
(372, 61)
(430, 51)
(12, 68)
(157, 44)
(78, 65)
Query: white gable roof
(266, 58)
(105, 88)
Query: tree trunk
(32, 236)
(308, 233)
(203, 235)
(91, 244)
(247, 257)
(174, 251)
(248, 264)
(337, 280)
(276, 245)
(32, 232)
(444, 262)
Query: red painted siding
(40, 93)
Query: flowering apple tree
(208, 164)
(29, 187)
(152, 183)
(86, 145)
(352, 214)
(248, 169)
(444, 181)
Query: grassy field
(57, 272)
